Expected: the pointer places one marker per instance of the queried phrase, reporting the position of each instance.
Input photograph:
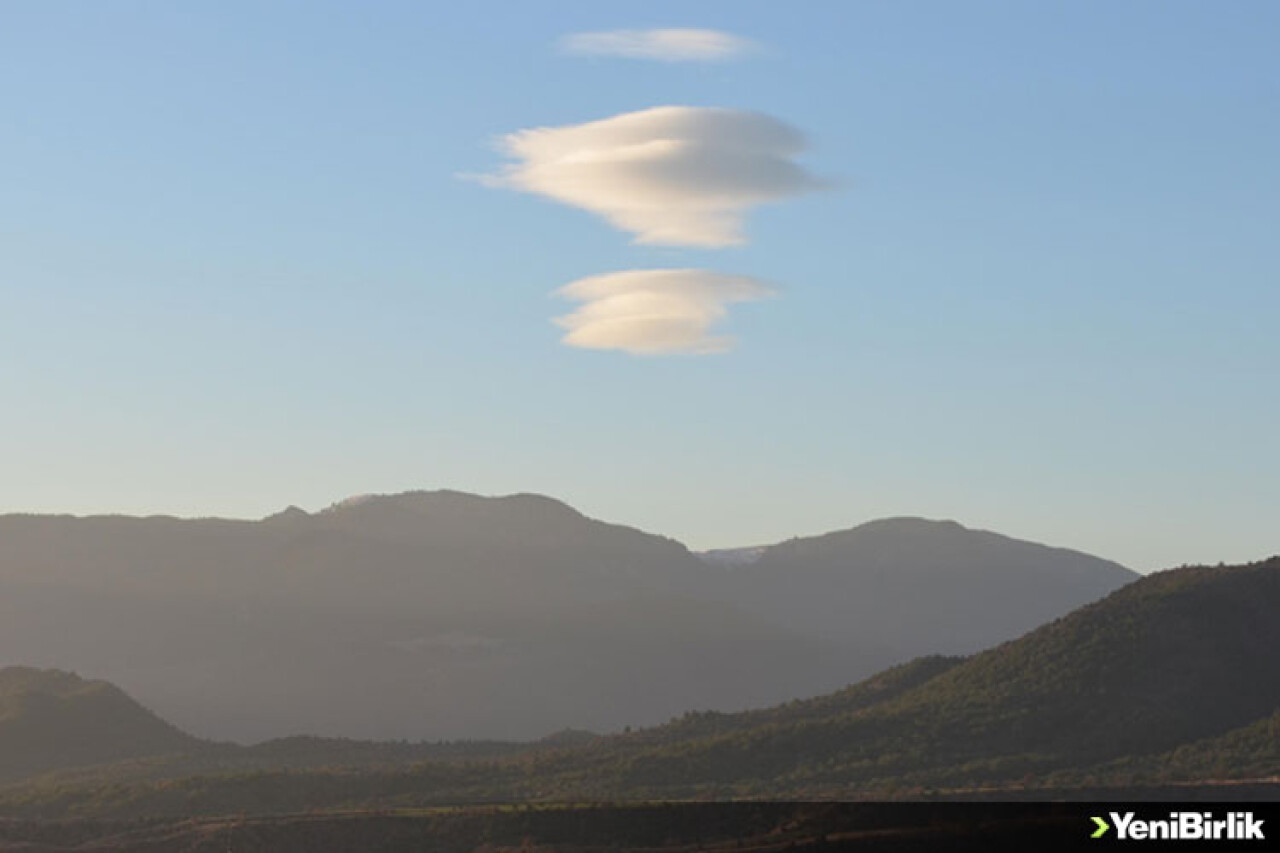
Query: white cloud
(655, 312)
(665, 45)
(672, 176)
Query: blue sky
(240, 268)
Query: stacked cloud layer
(670, 176)
(655, 312)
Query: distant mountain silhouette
(449, 615)
(51, 719)
(910, 587)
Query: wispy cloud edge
(675, 44)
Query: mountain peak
(427, 500)
(910, 524)
(290, 513)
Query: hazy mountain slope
(912, 587)
(424, 615)
(1174, 658)
(51, 719)
(1171, 677)
(401, 552)
(447, 615)
(263, 671)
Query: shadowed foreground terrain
(588, 828)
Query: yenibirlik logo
(1183, 826)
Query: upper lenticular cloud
(655, 312)
(664, 45)
(672, 176)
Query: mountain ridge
(439, 609)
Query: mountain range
(1171, 680)
(431, 615)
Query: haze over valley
(1168, 681)
(431, 615)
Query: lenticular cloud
(672, 176)
(655, 312)
(663, 45)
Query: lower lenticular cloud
(665, 45)
(672, 176)
(655, 312)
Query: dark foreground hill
(1171, 679)
(447, 615)
(51, 719)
